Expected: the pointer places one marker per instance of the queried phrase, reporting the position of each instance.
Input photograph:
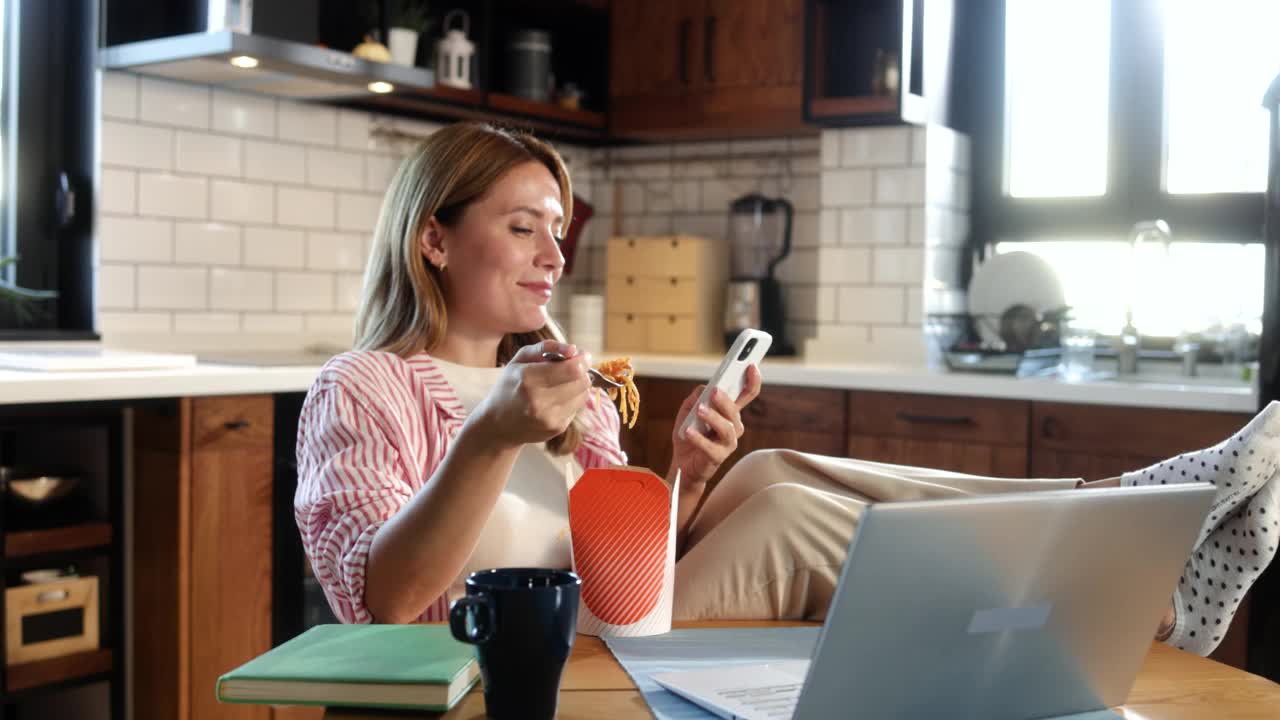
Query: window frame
(1135, 152)
(51, 48)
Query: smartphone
(747, 350)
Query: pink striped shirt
(372, 432)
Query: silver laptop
(1029, 605)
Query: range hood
(283, 67)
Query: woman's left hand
(698, 456)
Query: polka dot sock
(1238, 538)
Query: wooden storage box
(665, 294)
(50, 619)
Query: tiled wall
(234, 218)
(686, 188)
(226, 215)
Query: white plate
(1008, 279)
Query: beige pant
(771, 538)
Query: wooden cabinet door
(793, 418)
(970, 435)
(753, 43)
(753, 67)
(230, 562)
(1098, 441)
(655, 66)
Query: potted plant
(408, 19)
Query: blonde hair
(402, 308)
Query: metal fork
(597, 378)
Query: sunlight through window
(1056, 84)
(1219, 57)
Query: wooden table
(1172, 685)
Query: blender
(759, 239)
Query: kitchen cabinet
(970, 435)
(879, 62)
(712, 68)
(202, 552)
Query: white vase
(403, 44)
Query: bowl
(33, 488)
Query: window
(1118, 111)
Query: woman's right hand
(536, 399)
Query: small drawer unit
(665, 294)
(50, 619)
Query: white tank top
(529, 525)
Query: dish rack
(957, 339)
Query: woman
(440, 445)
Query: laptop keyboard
(769, 701)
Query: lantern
(454, 52)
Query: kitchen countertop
(267, 374)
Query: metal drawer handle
(675, 243)
(631, 242)
(52, 596)
(935, 419)
(674, 282)
(1049, 427)
(236, 424)
(671, 319)
(631, 280)
(631, 318)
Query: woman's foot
(1239, 537)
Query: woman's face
(503, 256)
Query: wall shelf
(86, 536)
(59, 670)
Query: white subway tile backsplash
(353, 130)
(915, 306)
(846, 188)
(898, 344)
(855, 226)
(122, 323)
(886, 305)
(119, 191)
(115, 286)
(310, 124)
(840, 266)
(772, 146)
(708, 225)
(271, 323)
(804, 193)
(203, 323)
(165, 195)
(120, 95)
(916, 226)
(244, 113)
(379, 169)
(919, 146)
(632, 198)
(205, 154)
(700, 169)
(808, 145)
(274, 161)
(235, 289)
(335, 169)
(165, 102)
(693, 149)
(657, 197)
(888, 226)
(305, 208)
(136, 146)
(135, 239)
(829, 151)
(304, 291)
(875, 147)
(235, 201)
(898, 265)
(332, 324)
(804, 229)
(900, 186)
(358, 212)
(802, 304)
(274, 247)
(172, 288)
(828, 228)
(335, 251)
(206, 243)
(349, 287)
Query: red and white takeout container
(622, 525)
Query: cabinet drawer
(232, 422)
(673, 334)
(1128, 431)
(658, 256)
(795, 409)
(672, 295)
(626, 331)
(937, 417)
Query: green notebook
(381, 666)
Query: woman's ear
(431, 243)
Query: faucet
(1130, 340)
